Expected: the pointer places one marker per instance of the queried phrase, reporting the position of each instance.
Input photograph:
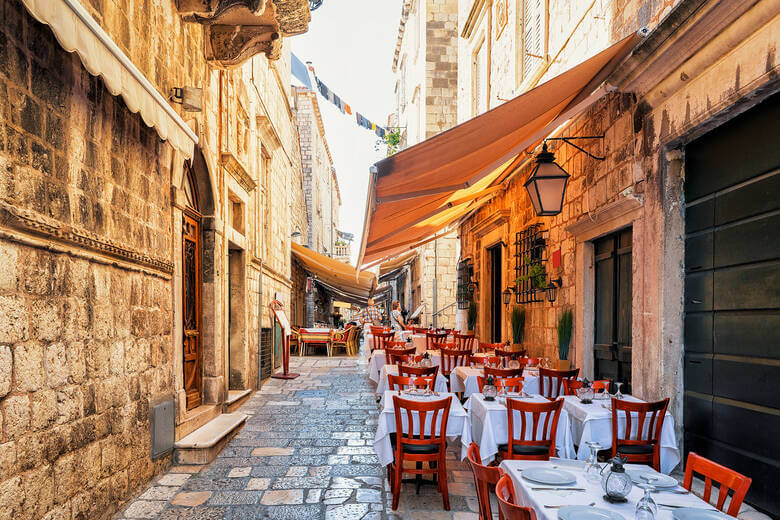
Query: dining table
(456, 421)
(464, 379)
(548, 503)
(378, 360)
(440, 385)
(488, 426)
(592, 422)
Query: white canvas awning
(78, 32)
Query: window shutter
(533, 27)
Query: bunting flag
(331, 96)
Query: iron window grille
(530, 246)
(465, 291)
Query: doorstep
(235, 399)
(203, 445)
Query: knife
(557, 489)
(676, 506)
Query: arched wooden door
(191, 251)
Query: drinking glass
(618, 395)
(646, 508)
(592, 468)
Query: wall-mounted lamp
(295, 234)
(190, 98)
(507, 294)
(547, 183)
(552, 288)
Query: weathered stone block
(14, 326)
(38, 488)
(56, 363)
(11, 497)
(67, 478)
(17, 415)
(70, 404)
(97, 359)
(77, 364)
(9, 258)
(44, 409)
(6, 364)
(28, 367)
(45, 319)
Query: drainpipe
(435, 282)
(260, 326)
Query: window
(265, 163)
(531, 39)
(402, 94)
(479, 78)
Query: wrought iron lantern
(314, 4)
(552, 289)
(507, 294)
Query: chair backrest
(601, 385)
(485, 477)
(538, 423)
(375, 330)
(429, 417)
(648, 417)
(464, 341)
(402, 382)
(432, 339)
(498, 373)
(451, 358)
(420, 330)
(727, 480)
(391, 352)
(398, 359)
(380, 339)
(488, 347)
(475, 360)
(507, 354)
(506, 501)
(551, 381)
(570, 386)
(510, 384)
(406, 370)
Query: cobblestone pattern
(305, 452)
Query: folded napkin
(568, 463)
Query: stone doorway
(237, 358)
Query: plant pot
(564, 364)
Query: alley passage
(306, 452)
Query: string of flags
(299, 71)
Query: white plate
(693, 513)
(658, 480)
(552, 477)
(587, 513)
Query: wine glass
(646, 508)
(592, 468)
(618, 395)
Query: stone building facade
(107, 230)
(639, 210)
(426, 73)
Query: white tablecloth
(399, 336)
(593, 422)
(488, 427)
(527, 497)
(378, 360)
(464, 379)
(419, 341)
(382, 386)
(456, 423)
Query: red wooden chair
(427, 444)
(400, 359)
(510, 384)
(402, 383)
(643, 443)
(506, 355)
(420, 330)
(373, 329)
(551, 381)
(536, 441)
(475, 360)
(726, 478)
(485, 477)
(464, 341)
(488, 347)
(601, 385)
(500, 373)
(570, 386)
(406, 370)
(432, 339)
(452, 358)
(381, 340)
(395, 351)
(492, 360)
(507, 504)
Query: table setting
(456, 422)
(566, 490)
(592, 422)
(488, 425)
(464, 379)
(439, 386)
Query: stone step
(203, 445)
(235, 399)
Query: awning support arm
(567, 140)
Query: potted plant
(518, 324)
(565, 321)
(471, 317)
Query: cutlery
(673, 491)
(557, 489)
(564, 505)
(676, 506)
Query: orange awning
(342, 278)
(421, 190)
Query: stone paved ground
(306, 451)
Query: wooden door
(191, 248)
(612, 345)
(495, 293)
(732, 299)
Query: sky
(351, 44)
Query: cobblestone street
(306, 451)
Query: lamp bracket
(567, 140)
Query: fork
(564, 505)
